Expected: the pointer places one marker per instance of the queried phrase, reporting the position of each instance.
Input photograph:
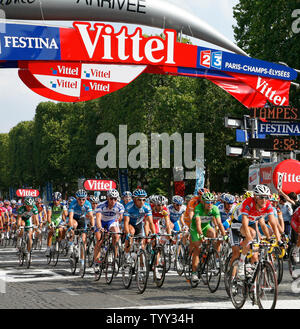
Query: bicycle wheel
(277, 262)
(21, 253)
(82, 259)
(168, 254)
(294, 263)
(90, 252)
(180, 258)
(73, 260)
(109, 264)
(55, 253)
(213, 271)
(141, 271)
(266, 286)
(237, 287)
(127, 271)
(159, 267)
(40, 242)
(227, 273)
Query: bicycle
(294, 263)
(258, 283)
(55, 247)
(136, 263)
(108, 259)
(78, 253)
(24, 254)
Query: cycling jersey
(176, 215)
(135, 214)
(78, 210)
(191, 206)
(27, 215)
(206, 219)
(295, 222)
(158, 216)
(56, 213)
(248, 208)
(225, 216)
(109, 214)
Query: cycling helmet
(261, 190)
(126, 194)
(13, 202)
(207, 196)
(113, 194)
(248, 194)
(94, 199)
(274, 197)
(228, 198)
(56, 196)
(152, 198)
(71, 199)
(1, 204)
(81, 194)
(29, 201)
(177, 199)
(139, 193)
(6, 203)
(159, 200)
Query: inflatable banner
(85, 62)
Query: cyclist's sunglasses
(82, 199)
(141, 199)
(209, 202)
(263, 197)
(114, 199)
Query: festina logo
(29, 42)
(264, 88)
(289, 178)
(105, 44)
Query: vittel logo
(122, 46)
(289, 178)
(25, 192)
(264, 88)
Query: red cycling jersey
(295, 222)
(248, 208)
(157, 216)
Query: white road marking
(281, 304)
(69, 292)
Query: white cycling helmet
(261, 190)
(113, 194)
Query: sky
(18, 102)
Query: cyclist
(253, 210)
(27, 216)
(206, 213)
(80, 212)
(8, 216)
(108, 216)
(226, 208)
(176, 211)
(126, 197)
(56, 216)
(135, 212)
(295, 224)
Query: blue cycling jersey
(225, 215)
(174, 214)
(78, 210)
(135, 214)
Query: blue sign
(123, 180)
(279, 128)
(221, 60)
(49, 191)
(29, 42)
(200, 179)
(243, 136)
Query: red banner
(27, 192)
(99, 185)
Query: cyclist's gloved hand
(281, 244)
(128, 236)
(225, 237)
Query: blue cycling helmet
(127, 193)
(228, 198)
(56, 196)
(177, 199)
(139, 193)
(81, 194)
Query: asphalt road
(47, 287)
